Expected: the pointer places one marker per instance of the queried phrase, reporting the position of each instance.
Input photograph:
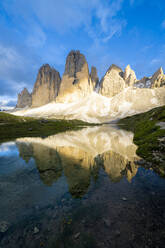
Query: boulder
(46, 87)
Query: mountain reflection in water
(80, 155)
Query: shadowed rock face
(24, 99)
(76, 81)
(112, 83)
(94, 77)
(46, 87)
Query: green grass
(12, 127)
(147, 136)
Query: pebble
(117, 233)
(107, 223)
(124, 198)
(76, 235)
(4, 226)
(36, 230)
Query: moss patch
(148, 136)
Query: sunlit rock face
(46, 87)
(79, 155)
(155, 81)
(158, 79)
(129, 76)
(94, 77)
(76, 82)
(24, 99)
(113, 82)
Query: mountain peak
(24, 99)
(94, 77)
(76, 80)
(46, 86)
(158, 79)
(129, 76)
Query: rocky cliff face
(155, 81)
(76, 80)
(24, 99)
(46, 87)
(113, 82)
(129, 76)
(158, 79)
(94, 77)
(77, 85)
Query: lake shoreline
(149, 136)
(12, 127)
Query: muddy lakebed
(79, 189)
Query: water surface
(79, 189)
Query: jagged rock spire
(94, 77)
(129, 76)
(158, 79)
(76, 81)
(112, 83)
(24, 99)
(46, 86)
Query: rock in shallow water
(36, 230)
(4, 226)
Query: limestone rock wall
(129, 76)
(158, 79)
(94, 77)
(75, 82)
(113, 82)
(46, 87)
(24, 99)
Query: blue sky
(33, 32)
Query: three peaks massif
(120, 90)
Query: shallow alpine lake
(79, 189)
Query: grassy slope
(12, 127)
(149, 138)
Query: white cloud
(155, 61)
(7, 101)
(36, 37)
(116, 28)
(37, 21)
(132, 2)
(67, 15)
(163, 24)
